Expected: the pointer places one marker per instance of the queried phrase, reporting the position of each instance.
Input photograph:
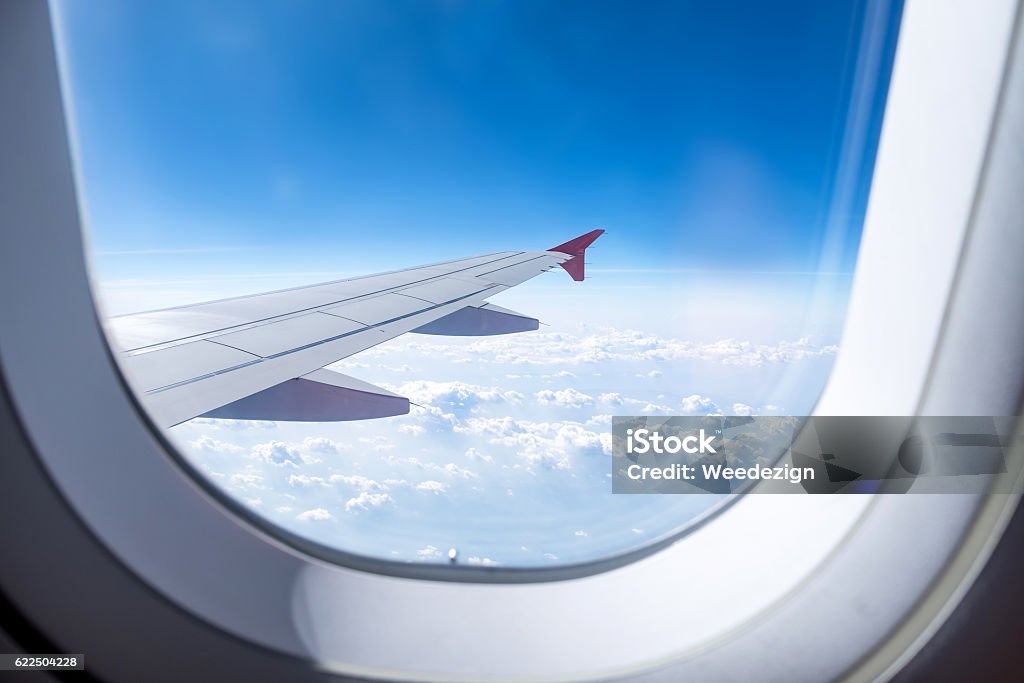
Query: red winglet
(576, 248)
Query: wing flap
(320, 396)
(475, 321)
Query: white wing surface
(261, 356)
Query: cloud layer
(505, 452)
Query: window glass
(726, 148)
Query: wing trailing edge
(576, 248)
(320, 396)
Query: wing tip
(576, 248)
(577, 245)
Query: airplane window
(263, 186)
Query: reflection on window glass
(229, 150)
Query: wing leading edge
(261, 357)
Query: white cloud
(377, 442)
(617, 400)
(248, 479)
(366, 501)
(656, 409)
(404, 367)
(515, 443)
(564, 348)
(453, 470)
(482, 561)
(428, 552)
(280, 454)
(742, 409)
(206, 444)
(358, 482)
(474, 454)
(431, 486)
(234, 425)
(455, 396)
(305, 480)
(613, 398)
(412, 430)
(449, 469)
(549, 444)
(564, 398)
(695, 404)
(316, 514)
(320, 444)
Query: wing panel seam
(311, 345)
(511, 266)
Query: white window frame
(770, 581)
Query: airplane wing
(261, 357)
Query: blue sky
(231, 147)
(698, 134)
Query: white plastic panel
(379, 308)
(180, 363)
(285, 335)
(930, 157)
